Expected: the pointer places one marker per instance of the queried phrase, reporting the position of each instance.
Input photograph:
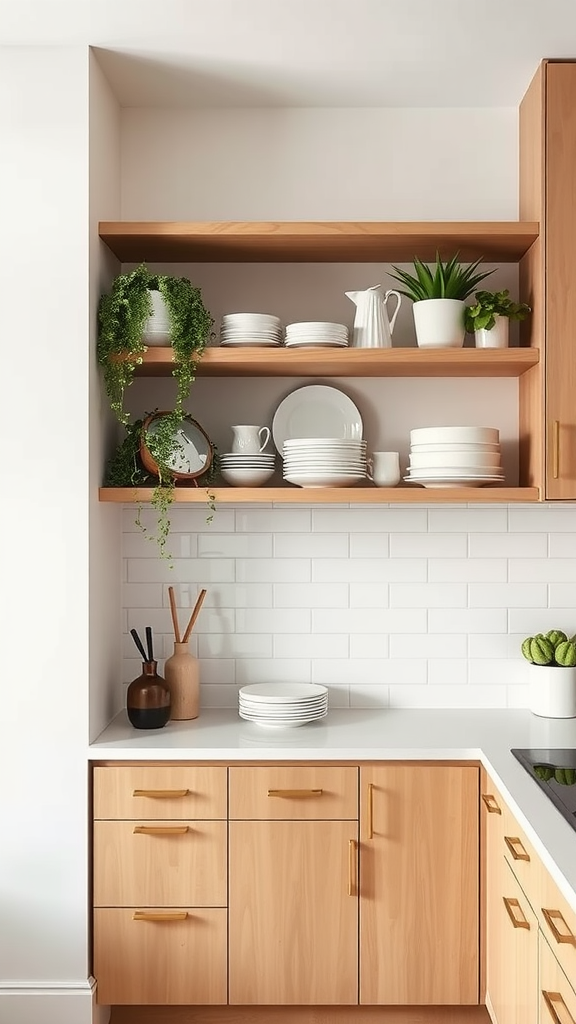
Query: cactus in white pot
(552, 673)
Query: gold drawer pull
(168, 915)
(370, 810)
(351, 867)
(295, 792)
(160, 830)
(558, 1010)
(556, 450)
(161, 794)
(515, 913)
(491, 803)
(552, 916)
(516, 848)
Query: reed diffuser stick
(174, 614)
(194, 616)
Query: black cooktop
(555, 773)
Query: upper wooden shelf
(288, 495)
(316, 241)
(349, 362)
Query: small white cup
(249, 439)
(384, 468)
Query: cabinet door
(293, 912)
(419, 933)
(557, 996)
(514, 934)
(492, 811)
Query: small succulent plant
(552, 648)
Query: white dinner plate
(453, 481)
(274, 692)
(316, 411)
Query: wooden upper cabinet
(548, 194)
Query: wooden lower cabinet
(513, 956)
(557, 996)
(419, 891)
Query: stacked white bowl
(261, 329)
(247, 470)
(315, 333)
(324, 462)
(452, 456)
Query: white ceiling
(322, 53)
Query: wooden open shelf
(349, 362)
(290, 495)
(316, 241)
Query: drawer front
(164, 864)
(521, 857)
(297, 792)
(557, 921)
(557, 996)
(160, 791)
(160, 957)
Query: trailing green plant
(482, 315)
(447, 280)
(122, 315)
(551, 648)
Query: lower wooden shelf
(327, 495)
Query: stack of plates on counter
(311, 334)
(282, 705)
(324, 462)
(455, 457)
(262, 329)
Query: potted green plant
(123, 315)
(489, 318)
(439, 296)
(552, 673)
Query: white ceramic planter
(157, 326)
(439, 323)
(552, 691)
(497, 337)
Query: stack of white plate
(312, 333)
(324, 462)
(455, 456)
(262, 329)
(250, 470)
(282, 705)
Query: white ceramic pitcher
(248, 439)
(372, 328)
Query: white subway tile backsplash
(391, 605)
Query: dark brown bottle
(148, 699)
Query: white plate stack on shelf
(314, 334)
(324, 462)
(260, 329)
(455, 457)
(282, 705)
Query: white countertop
(379, 735)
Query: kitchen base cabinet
(557, 997)
(514, 932)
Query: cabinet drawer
(164, 864)
(557, 920)
(156, 956)
(297, 792)
(520, 855)
(557, 997)
(160, 791)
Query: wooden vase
(181, 672)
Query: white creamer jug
(372, 328)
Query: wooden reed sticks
(193, 617)
(174, 614)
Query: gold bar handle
(160, 830)
(491, 803)
(168, 915)
(556, 449)
(551, 917)
(161, 794)
(351, 867)
(514, 844)
(515, 913)
(370, 810)
(297, 793)
(558, 1010)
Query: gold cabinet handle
(556, 449)
(370, 810)
(516, 848)
(298, 793)
(558, 1010)
(515, 913)
(168, 915)
(551, 917)
(351, 867)
(160, 830)
(491, 803)
(161, 794)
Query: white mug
(249, 439)
(384, 468)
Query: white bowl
(246, 477)
(424, 460)
(432, 435)
(470, 446)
